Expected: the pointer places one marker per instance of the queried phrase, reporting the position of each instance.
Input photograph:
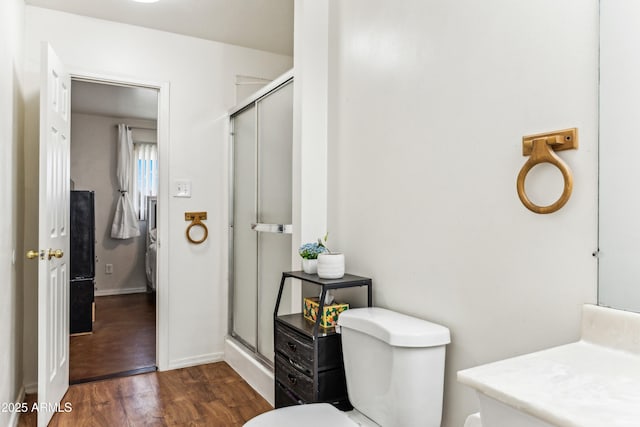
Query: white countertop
(594, 382)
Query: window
(145, 172)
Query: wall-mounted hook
(540, 149)
(196, 220)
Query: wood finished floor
(211, 395)
(123, 338)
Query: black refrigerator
(83, 261)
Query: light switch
(182, 188)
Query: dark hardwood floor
(123, 338)
(211, 395)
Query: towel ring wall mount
(541, 149)
(196, 219)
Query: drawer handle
(292, 346)
(293, 380)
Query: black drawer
(295, 347)
(284, 397)
(332, 387)
(298, 383)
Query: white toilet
(394, 366)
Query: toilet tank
(394, 365)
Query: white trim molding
(258, 376)
(196, 360)
(15, 415)
(162, 285)
(109, 292)
(31, 388)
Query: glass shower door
(244, 293)
(262, 215)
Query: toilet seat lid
(311, 415)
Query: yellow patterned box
(329, 315)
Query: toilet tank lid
(395, 329)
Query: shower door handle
(273, 228)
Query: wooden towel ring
(542, 152)
(195, 218)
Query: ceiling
(114, 101)
(258, 24)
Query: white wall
(201, 75)
(310, 126)
(93, 167)
(619, 152)
(428, 103)
(11, 224)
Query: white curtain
(145, 184)
(125, 223)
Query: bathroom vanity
(308, 358)
(594, 382)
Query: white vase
(309, 266)
(331, 265)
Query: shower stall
(261, 213)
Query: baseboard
(15, 415)
(196, 360)
(253, 372)
(31, 388)
(109, 292)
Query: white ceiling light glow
(146, 1)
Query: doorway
(114, 296)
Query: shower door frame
(252, 101)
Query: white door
(53, 235)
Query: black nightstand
(308, 358)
